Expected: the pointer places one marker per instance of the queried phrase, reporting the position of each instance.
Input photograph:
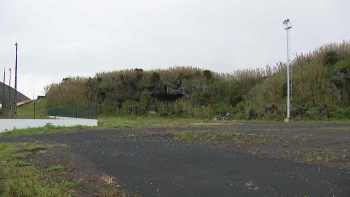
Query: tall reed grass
(262, 87)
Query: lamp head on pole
(287, 24)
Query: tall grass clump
(311, 80)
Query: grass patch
(56, 168)
(12, 151)
(34, 147)
(67, 184)
(22, 163)
(19, 178)
(22, 155)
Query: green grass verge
(106, 123)
(134, 122)
(19, 178)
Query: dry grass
(108, 179)
(311, 83)
(42, 151)
(70, 91)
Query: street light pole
(15, 96)
(3, 90)
(288, 26)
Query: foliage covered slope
(319, 77)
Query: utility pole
(288, 26)
(10, 90)
(3, 91)
(15, 97)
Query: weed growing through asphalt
(34, 147)
(108, 179)
(56, 168)
(67, 184)
(285, 144)
(22, 163)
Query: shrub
(155, 77)
(204, 98)
(222, 108)
(331, 57)
(283, 89)
(145, 100)
(207, 73)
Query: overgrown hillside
(319, 77)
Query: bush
(207, 73)
(145, 100)
(283, 88)
(331, 57)
(204, 98)
(236, 94)
(222, 108)
(155, 77)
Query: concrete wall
(10, 124)
(66, 118)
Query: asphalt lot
(155, 167)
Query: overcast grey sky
(60, 38)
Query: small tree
(207, 73)
(155, 77)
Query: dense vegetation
(319, 77)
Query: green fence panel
(88, 111)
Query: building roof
(24, 102)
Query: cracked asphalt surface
(153, 167)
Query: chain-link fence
(88, 111)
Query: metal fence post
(76, 111)
(34, 109)
(56, 112)
(88, 109)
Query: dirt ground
(250, 159)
